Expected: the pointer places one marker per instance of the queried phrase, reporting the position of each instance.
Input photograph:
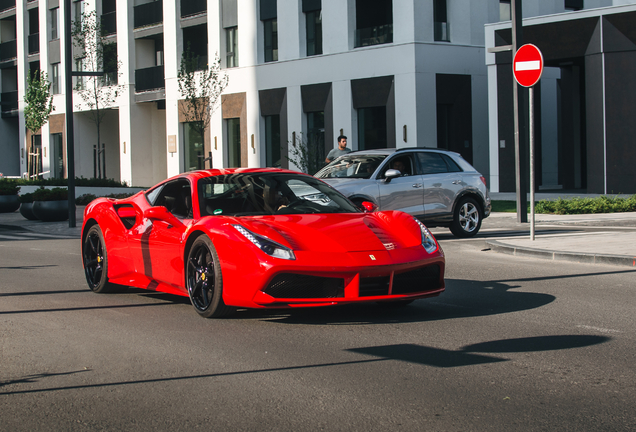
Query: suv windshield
(268, 194)
(352, 166)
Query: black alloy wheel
(204, 280)
(95, 259)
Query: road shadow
(467, 356)
(411, 353)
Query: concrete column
(294, 118)
(126, 55)
(338, 25)
(344, 114)
(405, 110)
(22, 25)
(289, 14)
(173, 46)
(253, 129)
(426, 109)
(403, 21)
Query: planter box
(9, 203)
(26, 210)
(51, 211)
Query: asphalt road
(513, 344)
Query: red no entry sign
(527, 65)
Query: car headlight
(428, 241)
(270, 247)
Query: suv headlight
(270, 247)
(428, 241)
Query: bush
(87, 198)
(601, 204)
(9, 187)
(26, 198)
(55, 194)
(79, 181)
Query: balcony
(109, 23)
(151, 78)
(193, 7)
(8, 50)
(9, 103)
(34, 43)
(6, 4)
(148, 14)
(374, 35)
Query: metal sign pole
(532, 179)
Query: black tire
(204, 280)
(466, 218)
(95, 259)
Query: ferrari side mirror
(161, 213)
(369, 207)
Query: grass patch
(601, 204)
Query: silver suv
(437, 186)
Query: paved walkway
(614, 241)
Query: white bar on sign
(528, 65)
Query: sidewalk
(614, 245)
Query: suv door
(403, 193)
(442, 183)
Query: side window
(176, 196)
(452, 165)
(402, 163)
(431, 163)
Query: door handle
(457, 182)
(417, 185)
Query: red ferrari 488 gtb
(258, 238)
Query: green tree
(94, 53)
(38, 100)
(201, 90)
(39, 104)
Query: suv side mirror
(391, 174)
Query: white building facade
(385, 73)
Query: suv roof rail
(417, 148)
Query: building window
(234, 142)
(316, 136)
(374, 22)
(57, 155)
(372, 130)
(55, 78)
(441, 21)
(78, 10)
(110, 64)
(314, 32)
(231, 47)
(271, 40)
(573, 5)
(272, 141)
(505, 13)
(55, 23)
(193, 142)
(80, 82)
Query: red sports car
(257, 238)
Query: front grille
(419, 280)
(374, 286)
(297, 286)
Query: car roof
(389, 151)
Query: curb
(585, 258)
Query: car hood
(356, 232)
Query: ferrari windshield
(257, 194)
(352, 166)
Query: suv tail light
(483, 180)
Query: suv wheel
(466, 218)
